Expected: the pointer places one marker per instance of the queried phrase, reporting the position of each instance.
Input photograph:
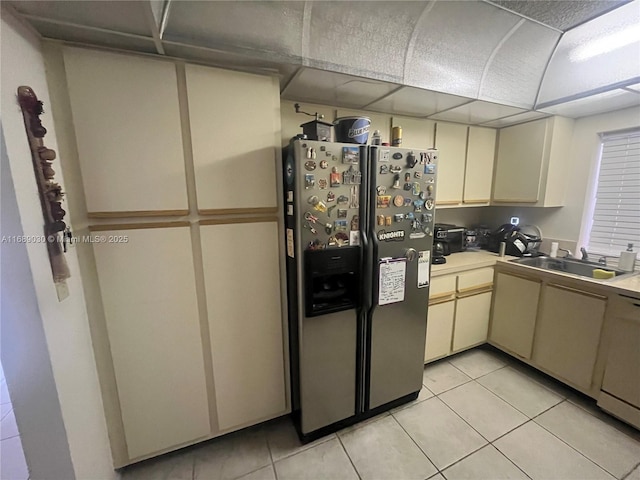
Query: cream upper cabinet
(451, 142)
(126, 119)
(515, 306)
(245, 321)
(531, 163)
(153, 325)
(235, 134)
(478, 173)
(416, 132)
(568, 333)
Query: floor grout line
(569, 445)
(350, 459)
(416, 444)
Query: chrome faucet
(603, 260)
(585, 255)
(568, 252)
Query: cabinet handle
(442, 295)
(514, 200)
(476, 201)
(440, 300)
(482, 286)
(575, 290)
(447, 202)
(475, 291)
(524, 277)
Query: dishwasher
(620, 391)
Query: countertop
(468, 260)
(471, 259)
(629, 285)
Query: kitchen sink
(568, 265)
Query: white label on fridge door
(290, 248)
(393, 273)
(423, 268)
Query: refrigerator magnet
(354, 237)
(342, 213)
(309, 181)
(398, 200)
(423, 268)
(383, 201)
(322, 183)
(384, 155)
(350, 154)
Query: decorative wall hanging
(55, 230)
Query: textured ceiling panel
(515, 119)
(514, 78)
(604, 102)
(270, 29)
(93, 37)
(600, 53)
(416, 102)
(453, 43)
(560, 14)
(230, 60)
(126, 17)
(331, 88)
(476, 112)
(367, 39)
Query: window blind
(616, 216)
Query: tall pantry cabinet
(178, 174)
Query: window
(616, 214)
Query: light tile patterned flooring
(12, 463)
(481, 415)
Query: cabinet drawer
(475, 280)
(442, 287)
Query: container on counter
(396, 136)
(352, 129)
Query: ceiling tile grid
(416, 102)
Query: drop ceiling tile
(452, 44)
(595, 104)
(477, 112)
(416, 102)
(222, 59)
(330, 88)
(515, 119)
(560, 14)
(513, 78)
(125, 17)
(635, 87)
(271, 29)
(93, 37)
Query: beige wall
(565, 223)
(65, 324)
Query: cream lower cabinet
(439, 330)
(458, 317)
(515, 306)
(472, 321)
(151, 314)
(568, 333)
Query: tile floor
(480, 415)
(12, 463)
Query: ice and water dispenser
(332, 280)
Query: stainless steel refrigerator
(359, 233)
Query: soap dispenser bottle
(627, 260)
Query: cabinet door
(152, 319)
(515, 305)
(623, 362)
(439, 330)
(128, 133)
(416, 132)
(472, 321)
(242, 283)
(568, 333)
(451, 142)
(235, 131)
(478, 172)
(519, 162)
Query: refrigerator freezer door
(401, 231)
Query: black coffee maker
(440, 250)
